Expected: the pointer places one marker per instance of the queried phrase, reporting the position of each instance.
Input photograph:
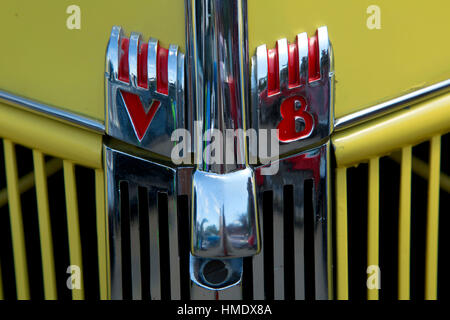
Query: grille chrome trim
(294, 171)
(278, 242)
(135, 241)
(155, 279)
(156, 178)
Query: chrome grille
(139, 188)
(294, 222)
(149, 215)
(288, 246)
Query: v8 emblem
(145, 91)
(292, 90)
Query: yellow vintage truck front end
(387, 182)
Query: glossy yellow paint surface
(43, 60)
(50, 136)
(408, 52)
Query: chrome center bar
(224, 213)
(217, 76)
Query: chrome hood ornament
(174, 225)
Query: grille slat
(73, 225)
(164, 245)
(184, 244)
(173, 247)
(299, 199)
(309, 241)
(153, 224)
(124, 273)
(268, 261)
(45, 226)
(59, 232)
(404, 244)
(278, 243)
(342, 281)
(431, 257)
(258, 260)
(135, 242)
(17, 232)
(102, 243)
(419, 185)
(373, 223)
(289, 252)
(115, 243)
(144, 241)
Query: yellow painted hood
(43, 60)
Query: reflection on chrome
(224, 215)
(214, 274)
(224, 221)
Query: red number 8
(286, 128)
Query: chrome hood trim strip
(389, 106)
(52, 112)
(341, 123)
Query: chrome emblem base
(144, 91)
